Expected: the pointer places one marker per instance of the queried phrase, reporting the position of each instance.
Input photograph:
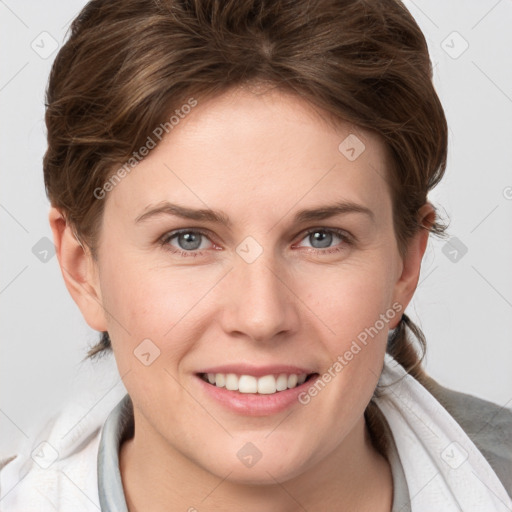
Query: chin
(262, 476)
(264, 471)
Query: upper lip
(257, 371)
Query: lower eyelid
(166, 239)
(345, 238)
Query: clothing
(444, 469)
(86, 477)
(119, 426)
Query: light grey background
(464, 299)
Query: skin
(259, 158)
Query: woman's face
(302, 268)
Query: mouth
(249, 384)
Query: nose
(258, 302)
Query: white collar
(443, 467)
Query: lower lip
(254, 404)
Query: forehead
(249, 150)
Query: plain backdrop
(464, 299)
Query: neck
(158, 477)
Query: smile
(265, 385)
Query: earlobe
(408, 281)
(79, 271)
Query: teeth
(231, 382)
(266, 385)
(248, 384)
(219, 380)
(282, 382)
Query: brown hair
(127, 64)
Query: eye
(321, 239)
(192, 242)
(187, 242)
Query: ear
(411, 263)
(79, 270)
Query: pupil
(189, 241)
(322, 237)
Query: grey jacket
(488, 425)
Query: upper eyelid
(170, 234)
(303, 233)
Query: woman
(239, 205)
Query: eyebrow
(218, 217)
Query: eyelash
(343, 235)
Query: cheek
(152, 301)
(138, 304)
(350, 297)
(353, 303)
(145, 298)
(155, 302)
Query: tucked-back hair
(128, 64)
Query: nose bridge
(258, 304)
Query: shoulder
(57, 470)
(487, 424)
(38, 482)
